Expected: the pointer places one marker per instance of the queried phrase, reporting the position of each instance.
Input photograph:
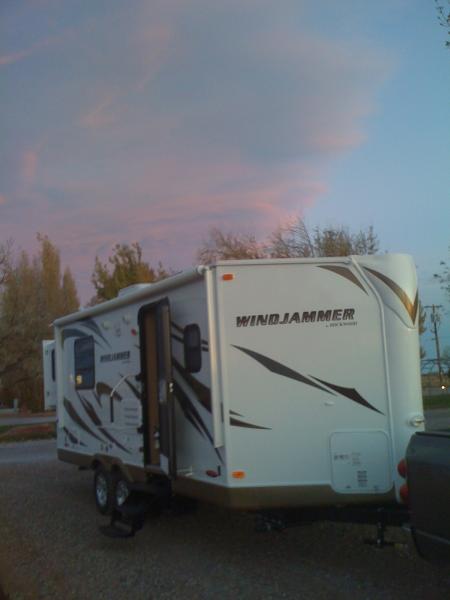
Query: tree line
(36, 290)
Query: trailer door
(159, 414)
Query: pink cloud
(8, 59)
(2, 199)
(101, 115)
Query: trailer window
(84, 363)
(53, 365)
(192, 348)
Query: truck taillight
(401, 468)
(404, 493)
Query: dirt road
(51, 548)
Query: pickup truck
(428, 484)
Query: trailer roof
(197, 273)
(125, 299)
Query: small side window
(84, 363)
(192, 348)
(53, 365)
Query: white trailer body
(49, 372)
(253, 384)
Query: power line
(435, 320)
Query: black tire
(121, 490)
(103, 490)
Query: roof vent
(132, 288)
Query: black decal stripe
(97, 422)
(238, 423)
(203, 395)
(104, 388)
(350, 393)
(176, 327)
(189, 409)
(72, 438)
(97, 398)
(113, 439)
(399, 292)
(201, 391)
(177, 338)
(90, 411)
(78, 420)
(132, 388)
(279, 369)
(236, 414)
(92, 325)
(344, 272)
(205, 344)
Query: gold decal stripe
(344, 272)
(400, 293)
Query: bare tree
(444, 17)
(293, 239)
(444, 276)
(229, 246)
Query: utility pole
(435, 319)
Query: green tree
(32, 297)
(70, 301)
(5, 260)
(125, 267)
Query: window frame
(82, 370)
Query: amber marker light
(238, 474)
(228, 277)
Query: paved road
(27, 420)
(41, 451)
(437, 419)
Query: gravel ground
(50, 547)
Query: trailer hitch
(380, 540)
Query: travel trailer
(263, 384)
(49, 372)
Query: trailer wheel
(103, 490)
(121, 491)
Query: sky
(153, 121)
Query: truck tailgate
(428, 472)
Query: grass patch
(25, 433)
(438, 401)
